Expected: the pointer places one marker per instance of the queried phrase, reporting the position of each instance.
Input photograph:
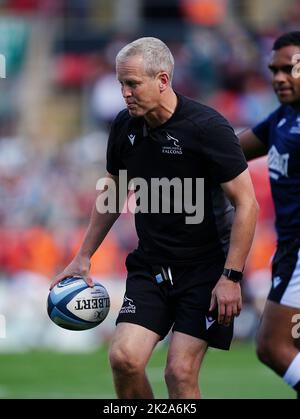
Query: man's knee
(273, 354)
(123, 361)
(180, 372)
(264, 351)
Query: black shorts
(285, 288)
(180, 303)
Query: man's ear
(164, 81)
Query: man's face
(140, 91)
(286, 87)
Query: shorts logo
(128, 306)
(131, 138)
(276, 281)
(209, 321)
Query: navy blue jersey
(280, 132)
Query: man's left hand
(227, 296)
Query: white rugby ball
(73, 305)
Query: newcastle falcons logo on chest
(174, 147)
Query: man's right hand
(80, 266)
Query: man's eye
(287, 69)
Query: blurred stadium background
(56, 104)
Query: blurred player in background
(278, 342)
(183, 276)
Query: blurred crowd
(61, 94)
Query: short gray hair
(155, 53)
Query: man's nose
(126, 91)
(280, 77)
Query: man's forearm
(99, 226)
(242, 234)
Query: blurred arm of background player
(99, 226)
(251, 145)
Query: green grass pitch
(234, 374)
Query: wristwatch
(235, 276)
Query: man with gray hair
(182, 276)
(156, 56)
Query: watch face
(235, 276)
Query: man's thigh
(186, 350)
(279, 326)
(134, 341)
